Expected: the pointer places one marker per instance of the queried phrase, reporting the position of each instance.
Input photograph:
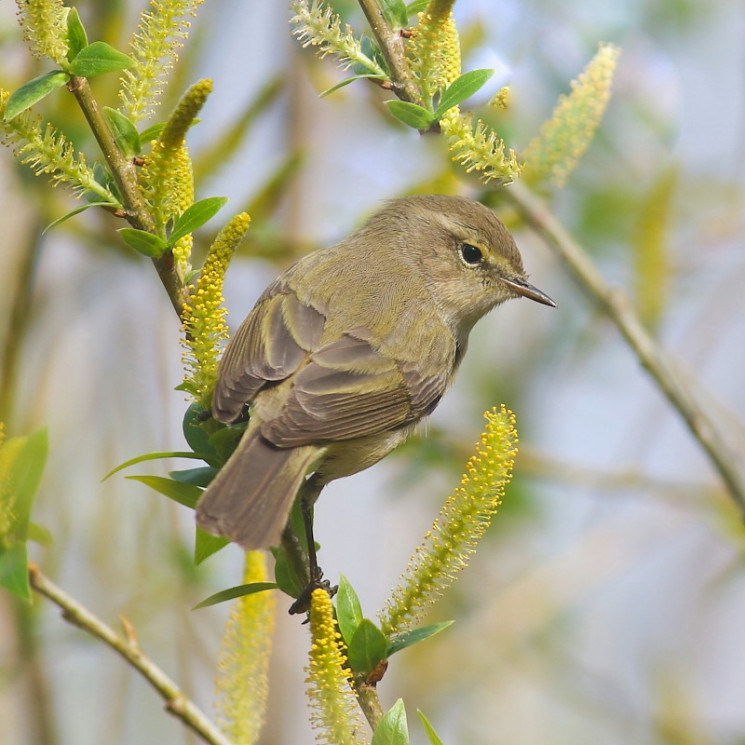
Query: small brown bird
(348, 350)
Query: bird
(348, 350)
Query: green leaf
(24, 460)
(395, 13)
(186, 494)
(14, 569)
(99, 58)
(77, 39)
(207, 544)
(351, 79)
(410, 113)
(143, 242)
(39, 534)
(418, 6)
(152, 132)
(77, 211)
(236, 592)
(195, 216)
(367, 648)
(348, 609)
(393, 729)
(287, 578)
(222, 442)
(152, 456)
(29, 93)
(125, 133)
(198, 476)
(461, 89)
(407, 638)
(432, 736)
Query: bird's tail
(250, 498)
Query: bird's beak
(521, 287)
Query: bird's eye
(472, 255)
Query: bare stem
(177, 703)
(392, 47)
(617, 307)
(367, 695)
(124, 174)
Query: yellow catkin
(164, 25)
(563, 139)
(460, 525)
(334, 711)
(205, 327)
(433, 51)
(243, 660)
(478, 148)
(44, 25)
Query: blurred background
(607, 602)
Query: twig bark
(124, 174)
(177, 703)
(392, 47)
(657, 363)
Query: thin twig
(367, 696)
(392, 47)
(616, 306)
(124, 173)
(177, 703)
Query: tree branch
(177, 703)
(124, 174)
(617, 307)
(392, 47)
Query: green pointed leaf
(222, 442)
(236, 592)
(77, 211)
(99, 58)
(410, 113)
(23, 462)
(191, 425)
(143, 242)
(418, 6)
(432, 736)
(14, 569)
(152, 456)
(29, 93)
(407, 638)
(201, 476)
(207, 544)
(39, 534)
(461, 89)
(195, 216)
(393, 728)
(152, 132)
(351, 79)
(367, 648)
(348, 609)
(288, 580)
(77, 39)
(395, 13)
(125, 133)
(186, 494)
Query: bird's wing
(270, 345)
(349, 389)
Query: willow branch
(177, 703)
(616, 306)
(367, 697)
(392, 47)
(124, 174)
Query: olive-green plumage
(348, 349)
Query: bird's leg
(308, 495)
